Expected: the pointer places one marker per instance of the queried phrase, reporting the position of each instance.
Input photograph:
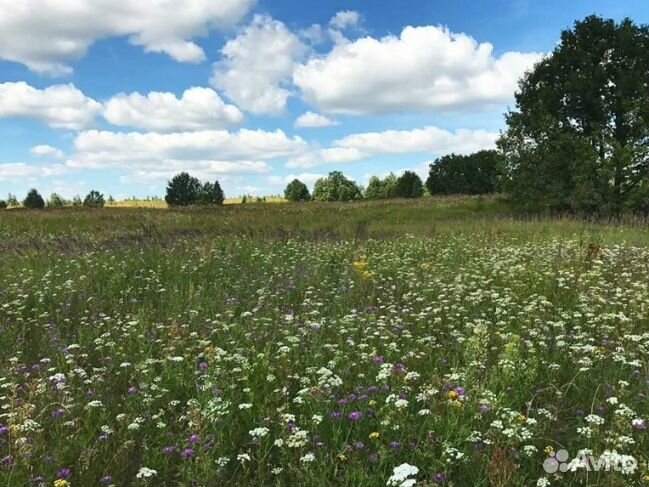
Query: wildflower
(145, 473)
(374, 435)
(400, 476)
(61, 483)
(355, 415)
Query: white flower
(243, 457)
(145, 473)
(259, 432)
(400, 476)
(308, 458)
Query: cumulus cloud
(46, 36)
(428, 139)
(431, 140)
(314, 120)
(19, 171)
(197, 109)
(46, 151)
(425, 68)
(332, 155)
(59, 106)
(217, 151)
(257, 64)
(203, 170)
(345, 19)
(305, 177)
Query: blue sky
(254, 93)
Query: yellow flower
(521, 418)
(61, 483)
(371, 402)
(548, 449)
(342, 457)
(374, 435)
(452, 395)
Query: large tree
(579, 137)
(34, 200)
(183, 190)
(409, 185)
(296, 190)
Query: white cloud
(257, 64)
(19, 171)
(59, 106)
(305, 177)
(197, 109)
(332, 155)
(428, 139)
(314, 120)
(47, 35)
(46, 151)
(203, 170)
(344, 19)
(211, 150)
(432, 140)
(425, 68)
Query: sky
(119, 96)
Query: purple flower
(377, 359)
(4, 429)
(394, 444)
(64, 473)
(193, 439)
(57, 412)
(439, 478)
(187, 453)
(7, 461)
(168, 450)
(355, 415)
(107, 479)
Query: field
(443, 342)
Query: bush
(297, 191)
(76, 201)
(409, 185)
(34, 201)
(94, 199)
(336, 187)
(3, 204)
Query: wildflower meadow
(431, 343)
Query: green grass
(319, 345)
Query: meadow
(442, 341)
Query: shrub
(409, 185)
(94, 199)
(381, 188)
(297, 191)
(34, 201)
(3, 204)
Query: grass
(320, 345)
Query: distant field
(161, 203)
(321, 345)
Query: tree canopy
(185, 190)
(336, 187)
(34, 200)
(477, 173)
(579, 137)
(409, 185)
(296, 190)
